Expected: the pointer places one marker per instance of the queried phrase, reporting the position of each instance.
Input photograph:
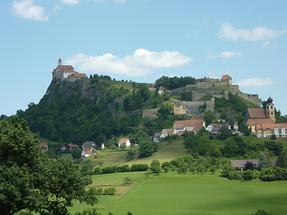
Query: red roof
(196, 123)
(256, 113)
(123, 141)
(65, 68)
(255, 122)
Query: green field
(174, 194)
(166, 152)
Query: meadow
(175, 194)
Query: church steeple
(270, 109)
(59, 62)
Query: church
(66, 73)
(262, 122)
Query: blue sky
(141, 40)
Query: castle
(215, 88)
(66, 73)
(204, 92)
(261, 121)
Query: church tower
(59, 62)
(270, 109)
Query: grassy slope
(166, 152)
(172, 194)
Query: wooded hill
(99, 108)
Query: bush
(249, 175)
(155, 167)
(262, 212)
(272, 174)
(110, 191)
(139, 167)
(166, 166)
(109, 169)
(132, 154)
(88, 212)
(128, 181)
(124, 168)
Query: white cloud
(140, 63)
(27, 9)
(255, 82)
(71, 2)
(260, 33)
(224, 55)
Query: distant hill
(76, 108)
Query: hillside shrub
(123, 168)
(109, 191)
(139, 167)
(109, 169)
(155, 167)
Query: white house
(88, 149)
(124, 142)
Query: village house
(161, 90)
(166, 132)
(124, 142)
(88, 149)
(241, 164)
(261, 122)
(191, 126)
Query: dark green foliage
(87, 168)
(155, 167)
(274, 147)
(28, 179)
(123, 168)
(139, 167)
(166, 166)
(128, 181)
(282, 159)
(249, 175)
(132, 154)
(263, 161)
(224, 133)
(234, 147)
(88, 110)
(146, 149)
(109, 191)
(209, 117)
(109, 169)
(262, 212)
(76, 153)
(201, 145)
(88, 212)
(174, 82)
(272, 174)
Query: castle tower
(270, 109)
(60, 61)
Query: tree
(87, 168)
(155, 167)
(263, 161)
(76, 153)
(131, 154)
(282, 160)
(209, 117)
(146, 149)
(28, 180)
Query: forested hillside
(94, 109)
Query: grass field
(166, 152)
(174, 194)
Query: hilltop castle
(66, 73)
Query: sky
(141, 40)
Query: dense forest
(95, 109)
